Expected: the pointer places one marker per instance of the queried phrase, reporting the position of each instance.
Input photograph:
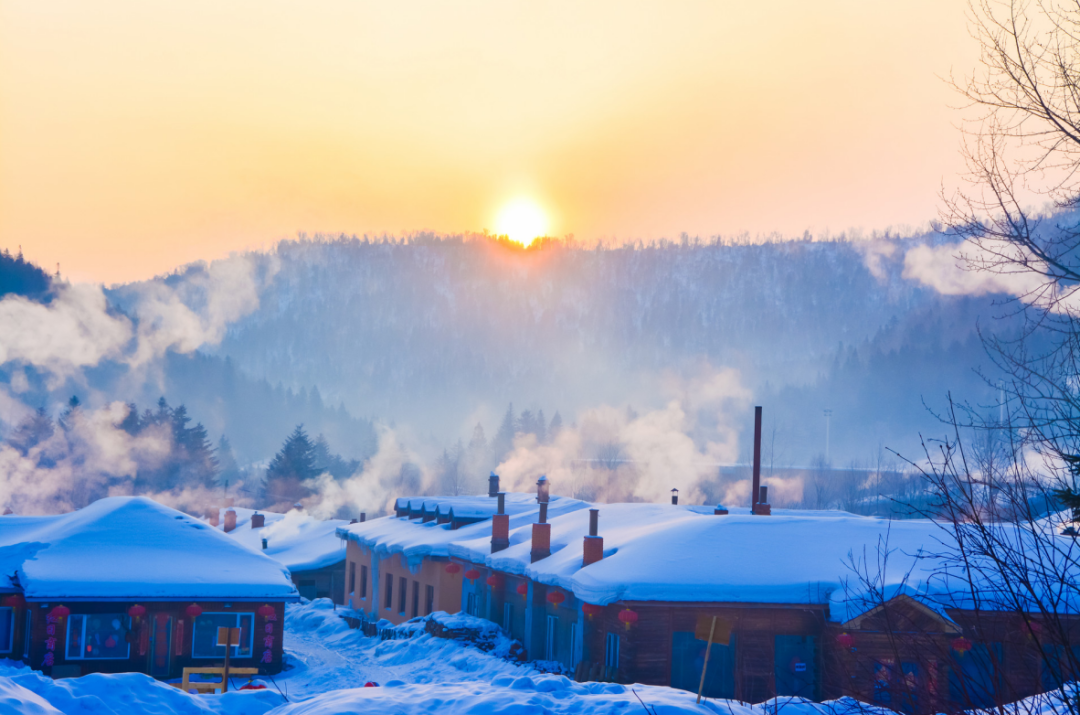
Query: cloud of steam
(616, 455)
(91, 456)
(393, 471)
(947, 270)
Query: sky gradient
(138, 136)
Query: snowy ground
(328, 664)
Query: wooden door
(160, 645)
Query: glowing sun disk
(521, 220)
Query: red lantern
(136, 611)
(628, 617)
(266, 611)
(15, 601)
(60, 611)
(495, 580)
(523, 589)
(556, 597)
(472, 574)
(452, 568)
(961, 645)
(591, 609)
(193, 611)
(845, 641)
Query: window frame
(11, 629)
(611, 650)
(363, 582)
(352, 578)
(429, 600)
(236, 653)
(124, 619)
(389, 605)
(403, 595)
(415, 599)
(551, 638)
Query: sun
(522, 220)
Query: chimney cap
(675, 490)
(543, 478)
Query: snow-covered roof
(415, 540)
(469, 507)
(132, 548)
(297, 540)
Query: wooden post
(228, 637)
(705, 667)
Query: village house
(309, 548)
(129, 585)
(629, 592)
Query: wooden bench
(211, 686)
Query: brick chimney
(720, 510)
(230, 520)
(594, 545)
(363, 517)
(258, 520)
(541, 531)
(500, 526)
(762, 507)
(758, 503)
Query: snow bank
(27, 691)
(132, 548)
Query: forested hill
(20, 277)
(429, 330)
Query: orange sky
(137, 136)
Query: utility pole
(828, 418)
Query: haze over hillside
(438, 334)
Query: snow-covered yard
(327, 665)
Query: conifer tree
(504, 438)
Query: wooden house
(129, 585)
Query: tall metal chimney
(493, 485)
(593, 549)
(500, 527)
(675, 497)
(755, 488)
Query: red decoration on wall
(591, 609)
(193, 611)
(556, 597)
(266, 611)
(60, 612)
(495, 580)
(523, 589)
(452, 568)
(472, 574)
(628, 617)
(15, 601)
(845, 641)
(178, 638)
(137, 611)
(961, 645)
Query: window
(795, 659)
(508, 616)
(403, 594)
(470, 604)
(389, 605)
(429, 600)
(551, 638)
(352, 578)
(575, 646)
(7, 629)
(27, 633)
(415, 599)
(204, 634)
(363, 581)
(97, 636)
(611, 651)
(688, 658)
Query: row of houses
(798, 602)
(127, 584)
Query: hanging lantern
(472, 574)
(845, 641)
(628, 617)
(1034, 629)
(556, 597)
(193, 611)
(495, 580)
(452, 568)
(266, 610)
(523, 589)
(137, 611)
(15, 600)
(961, 645)
(60, 612)
(591, 609)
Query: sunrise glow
(522, 220)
